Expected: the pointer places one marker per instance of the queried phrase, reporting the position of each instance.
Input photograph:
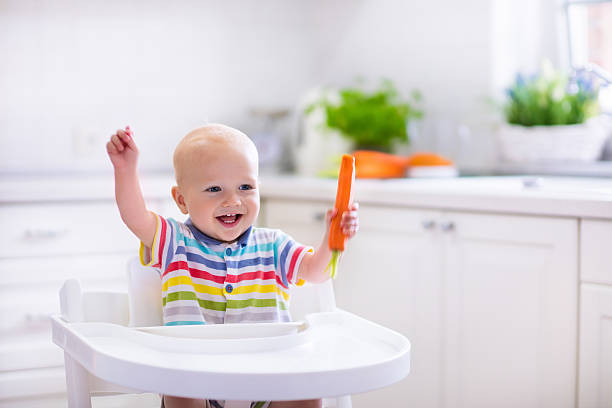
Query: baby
(216, 267)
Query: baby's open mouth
(229, 220)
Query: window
(589, 26)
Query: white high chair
(115, 343)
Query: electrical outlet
(87, 142)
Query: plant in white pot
(552, 117)
(371, 120)
(355, 118)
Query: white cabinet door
(43, 245)
(489, 302)
(595, 369)
(390, 274)
(510, 302)
(595, 365)
(595, 239)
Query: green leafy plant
(371, 120)
(551, 98)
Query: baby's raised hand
(349, 222)
(122, 149)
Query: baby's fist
(349, 223)
(122, 149)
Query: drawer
(25, 330)
(595, 248)
(63, 229)
(28, 383)
(42, 278)
(281, 212)
(28, 272)
(145, 400)
(38, 401)
(29, 352)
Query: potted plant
(369, 120)
(552, 116)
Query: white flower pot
(583, 142)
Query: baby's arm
(312, 268)
(123, 154)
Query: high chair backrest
(144, 295)
(311, 298)
(90, 306)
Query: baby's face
(221, 192)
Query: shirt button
(229, 288)
(228, 251)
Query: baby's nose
(231, 201)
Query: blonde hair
(213, 136)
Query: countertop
(600, 169)
(568, 196)
(553, 196)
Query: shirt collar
(202, 237)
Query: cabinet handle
(37, 317)
(319, 216)
(532, 182)
(447, 226)
(36, 234)
(428, 224)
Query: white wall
(73, 71)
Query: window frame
(601, 73)
(570, 46)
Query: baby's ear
(179, 199)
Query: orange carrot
(344, 198)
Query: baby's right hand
(122, 149)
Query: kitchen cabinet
(390, 274)
(43, 244)
(595, 356)
(387, 275)
(488, 301)
(510, 300)
(595, 247)
(595, 369)
(481, 274)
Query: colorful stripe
(162, 238)
(200, 283)
(183, 322)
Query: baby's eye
(245, 187)
(214, 189)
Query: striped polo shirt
(209, 281)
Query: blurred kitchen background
(74, 71)
(504, 289)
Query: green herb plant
(551, 98)
(371, 120)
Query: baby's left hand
(349, 222)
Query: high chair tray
(327, 355)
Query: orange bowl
(428, 159)
(373, 164)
